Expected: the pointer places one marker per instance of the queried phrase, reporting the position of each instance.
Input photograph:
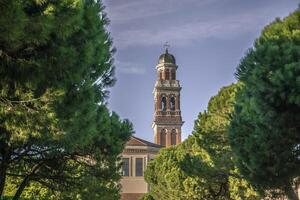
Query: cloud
(126, 67)
(152, 22)
(135, 10)
(186, 33)
(121, 11)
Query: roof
(135, 141)
(167, 58)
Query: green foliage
(202, 166)
(264, 131)
(56, 135)
(147, 196)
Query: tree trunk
(26, 181)
(290, 192)
(21, 188)
(3, 169)
(5, 154)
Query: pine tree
(55, 66)
(264, 131)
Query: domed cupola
(167, 58)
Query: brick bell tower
(167, 115)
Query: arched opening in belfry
(163, 135)
(173, 137)
(173, 75)
(172, 103)
(160, 75)
(163, 103)
(167, 74)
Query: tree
(55, 130)
(202, 166)
(265, 127)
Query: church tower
(167, 115)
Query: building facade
(167, 114)
(135, 157)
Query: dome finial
(166, 46)
(166, 57)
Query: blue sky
(207, 37)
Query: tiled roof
(135, 141)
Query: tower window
(172, 103)
(139, 167)
(160, 75)
(173, 75)
(163, 103)
(167, 74)
(163, 135)
(173, 137)
(125, 166)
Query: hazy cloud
(126, 67)
(148, 22)
(121, 11)
(183, 34)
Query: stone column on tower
(167, 115)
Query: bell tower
(167, 115)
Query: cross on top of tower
(166, 46)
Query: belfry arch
(163, 103)
(172, 103)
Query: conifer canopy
(265, 128)
(56, 134)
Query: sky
(207, 37)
